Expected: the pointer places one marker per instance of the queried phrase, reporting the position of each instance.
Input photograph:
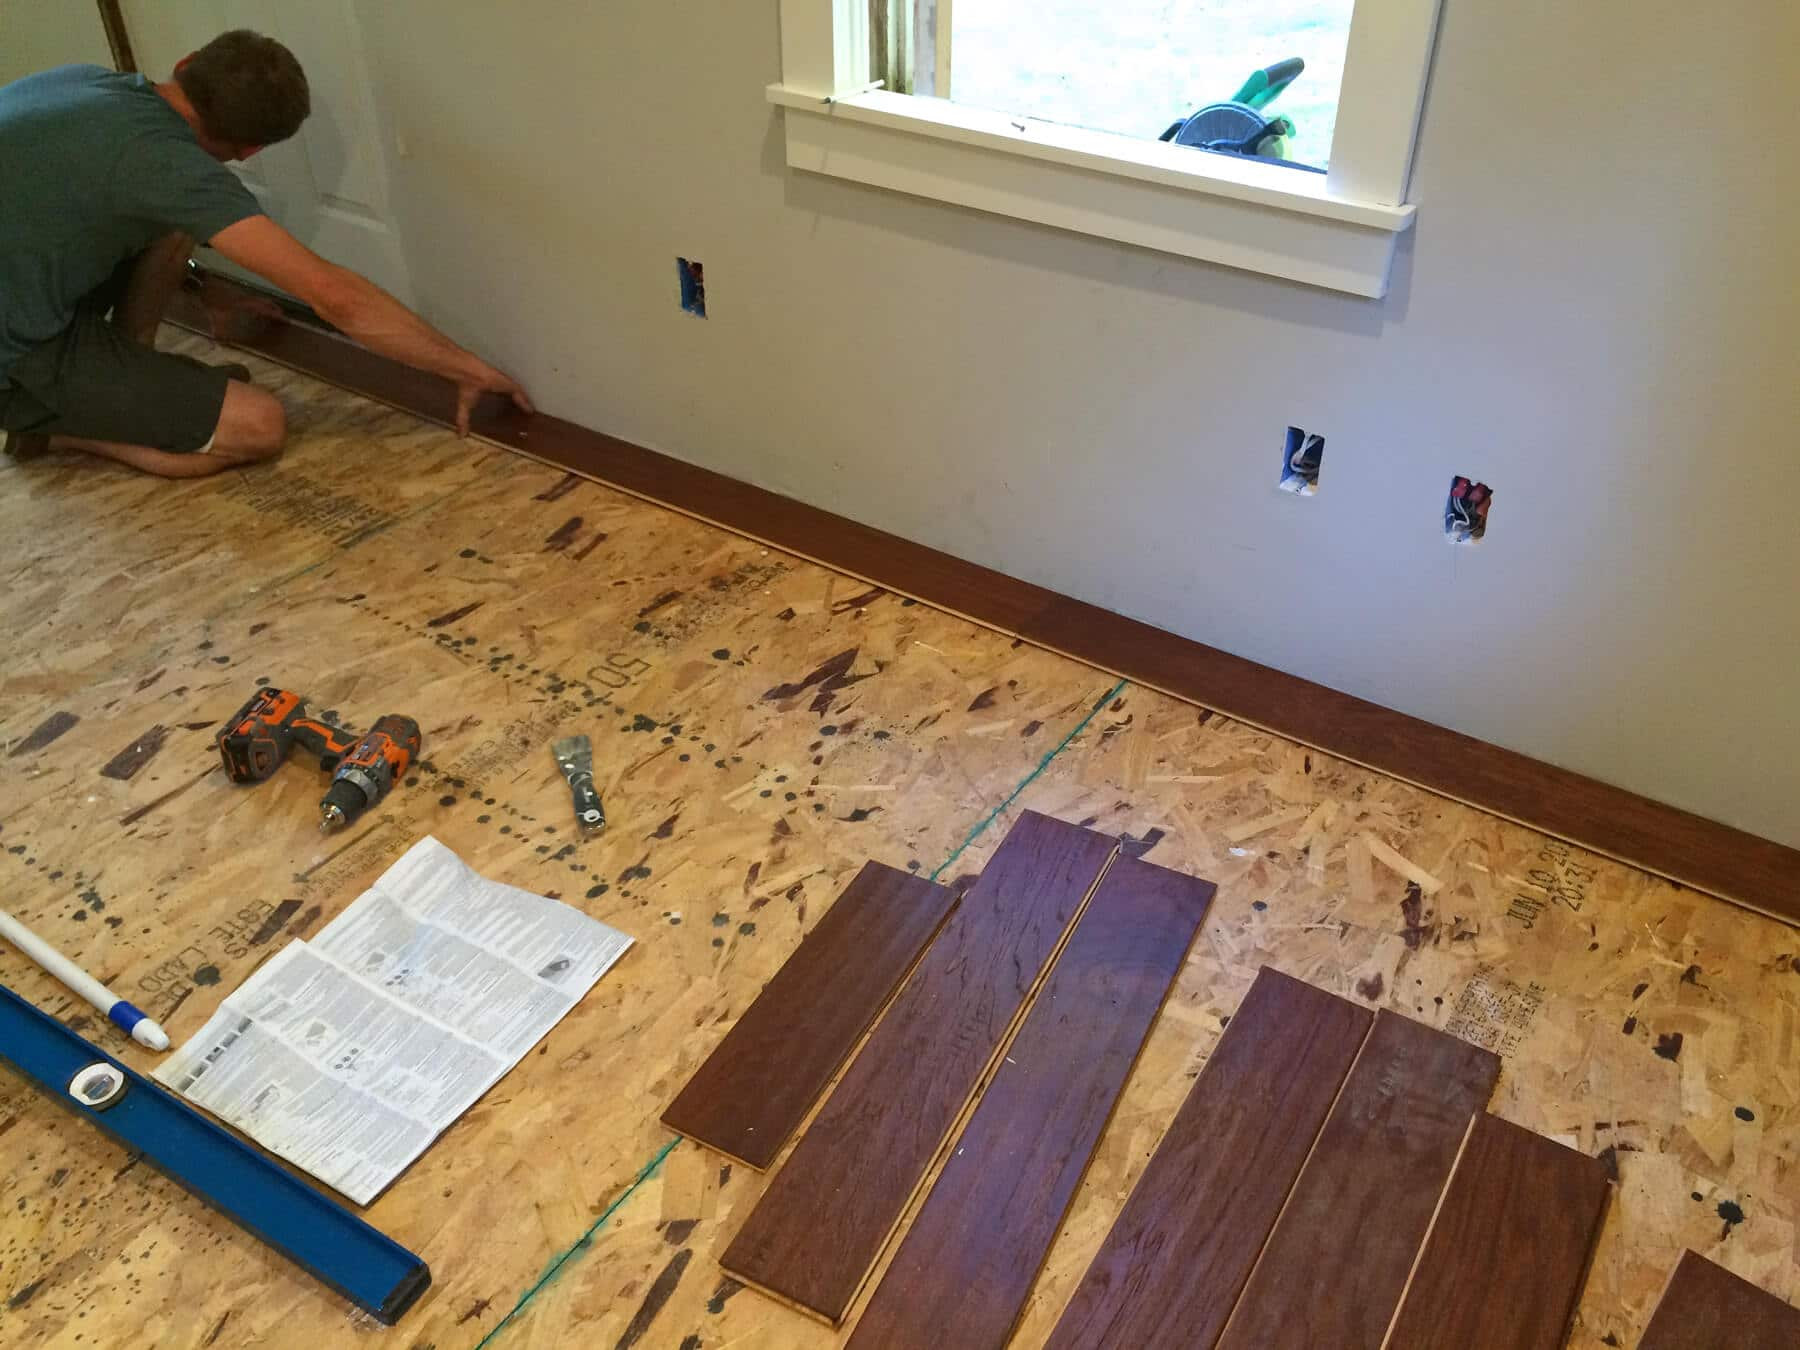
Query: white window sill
(1239, 212)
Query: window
(1273, 136)
(1144, 68)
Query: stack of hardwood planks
(1332, 1178)
(1040, 987)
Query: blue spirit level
(252, 1190)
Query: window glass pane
(1137, 66)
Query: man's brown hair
(248, 89)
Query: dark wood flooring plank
(967, 1264)
(1171, 1269)
(761, 1080)
(1508, 1251)
(831, 1209)
(1339, 1256)
(1706, 1307)
(1705, 854)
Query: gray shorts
(93, 381)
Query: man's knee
(267, 429)
(271, 423)
(252, 424)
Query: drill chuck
(351, 793)
(370, 769)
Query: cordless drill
(257, 739)
(373, 766)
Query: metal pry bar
(575, 757)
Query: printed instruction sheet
(347, 1055)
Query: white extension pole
(132, 1020)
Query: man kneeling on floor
(109, 180)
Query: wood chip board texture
(1509, 1248)
(1338, 1261)
(527, 1177)
(964, 1270)
(1170, 1270)
(1706, 1307)
(830, 1211)
(756, 1087)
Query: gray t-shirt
(94, 167)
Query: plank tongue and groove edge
(834, 1205)
(1706, 1307)
(760, 1081)
(966, 1266)
(1169, 1272)
(1338, 1259)
(1509, 1248)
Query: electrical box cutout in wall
(1302, 456)
(1466, 513)
(693, 287)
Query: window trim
(1337, 230)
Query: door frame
(112, 19)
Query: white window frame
(1337, 230)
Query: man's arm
(363, 310)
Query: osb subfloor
(762, 726)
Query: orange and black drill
(256, 740)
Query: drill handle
(389, 747)
(330, 743)
(403, 731)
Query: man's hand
(364, 311)
(481, 378)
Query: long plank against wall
(967, 1264)
(1706, 1307)
(1172, 1266)
(831, 1209)
(1704, 854)
(1338, 1260)
(1509, 1248)
(761, 1080)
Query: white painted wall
(38, 34)
(1597, 314)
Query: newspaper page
(347, 1055)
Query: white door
(328, 185)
